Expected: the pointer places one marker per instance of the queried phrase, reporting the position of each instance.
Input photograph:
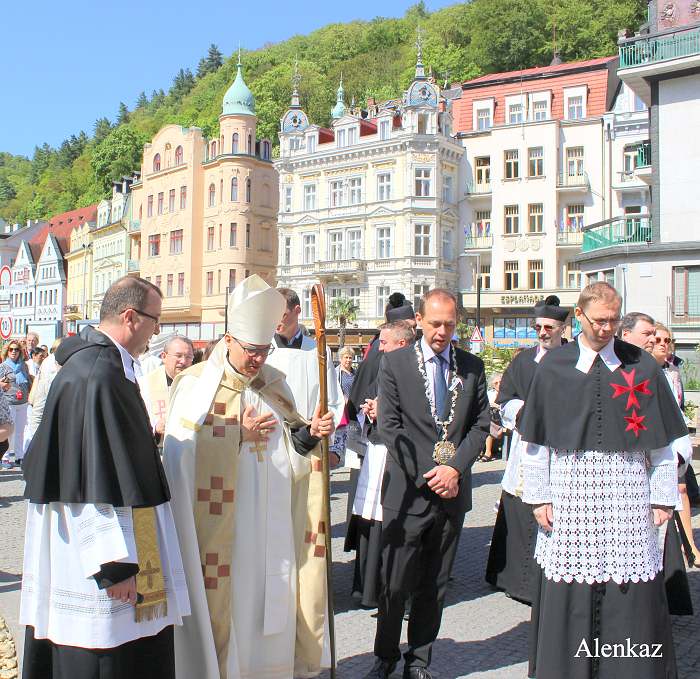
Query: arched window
(250, 144)
(234, 143)
(212, 195)
(266, 150)
(156, 162)
(178, 155)
(213, 149)
(234, 189)
(247, 190)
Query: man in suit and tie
(433, 419)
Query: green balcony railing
(644, 154)
(478, 242)
(132, 265)
(646, 50)
(477, 188)
(135, 225)
(615, 232)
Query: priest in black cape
(511, 564)
(103, 582)
(600, 471)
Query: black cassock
(511, 565)
(95, 445)
(618, 413)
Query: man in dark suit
(433, 419)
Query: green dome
(239, 100)
(338, 111)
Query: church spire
(338, 110)
(296, 79)
(420, 69)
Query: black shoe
(416, 673)
(381, 670)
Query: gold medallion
(444, 451)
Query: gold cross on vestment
(259, 449)
(149, 572)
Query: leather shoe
(416, 673)
(381, 669)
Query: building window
(423, 123)
(575, 108)
(335, 245)
(306, 303)
(266, 150)
(176, 242)
(250, 145)
(483, 118)
(210, 283)
(352, 136)
(629, 159)
(355, 190)
(234, 143)
(231, 279)
(536, 162)
(574, 217)
(686, 291)
(160, 203)
(511, 275)
(287, 198)
(573, 275)
(212, 195)
(294, 144)
(156, 162)
(213, 149)
(535, 274)
(354, 296)
(539, 110)
(178, 156)
(181, 284)
(234, 189)
(574, 161)
(447, 254)
(247, 236)
(447, 188)
(287, 249)
(311, 144)
(233, 235)
(512, 328)
(309, 248)
(384, 129)
(382, 299)
(336, 193)
(485, 274)
(247, 190)
(515, 114)
(384, 186)
(149, 206)
(154, 245)
(535, 218)
(421, 240)
(354, 244)
(171, 200)
(483, 222)
(512, 165)
(419, 291)
(422, 182)
(183, 197)
(483, 171)
(158, 281)
(210, 238)
(310, 196)
(341, 138)
(169, 285)
(512, 219)
(383, 242)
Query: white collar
(541, 351)
(131, 365)
(587, 356)
(428, 353)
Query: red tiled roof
(61, 226)
(325, 135)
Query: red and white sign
(5, 277)
(476, 341)
(5, 327)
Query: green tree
(123, 114)
(342, 311)
(7, 190)
(101, 129)
(118, 154)
(142, 101)
(211, 63)
(183, 83)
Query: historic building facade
(369, 206)
(203, 215)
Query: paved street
(484, 634)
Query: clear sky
(65, 64)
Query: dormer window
(352, 136)
(340, 136)
(311, 144)
(384, 129)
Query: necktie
(439, 385)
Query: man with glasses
(241, 463)
(600, 472)
(511, 565)
(102, 584)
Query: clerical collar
(168, 379)
(587, 356)
(428, 353)
(541, 351)
(294, 343)
(130, 364)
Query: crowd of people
(176, 520)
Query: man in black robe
(601, 473)
(511, 565)
(103, 582)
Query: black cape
(95, 443)
(518, 377)
(630, 409)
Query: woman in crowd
(345, 373)
(496, 426)
(17, 394)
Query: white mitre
(254, 311)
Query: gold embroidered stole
(158, 394)
(150, 583)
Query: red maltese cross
(635, 423)
(631, 389)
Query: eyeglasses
(662, 340)
(254, 352)
(547, 328)
(13, 349)
(155, 319)
(612, 323)
(189, 357)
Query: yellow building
(79, 276)
(204, 215)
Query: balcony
(135, 225)
(132, 265)
(644, 154)
(339, 269)
(569, 237)
(684, 311)
(73, 312)
(478, 243)
(478, 189)
(616, 232)
(573, 182)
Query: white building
(370, 205)
(49, 291)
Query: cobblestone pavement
(484, 634)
